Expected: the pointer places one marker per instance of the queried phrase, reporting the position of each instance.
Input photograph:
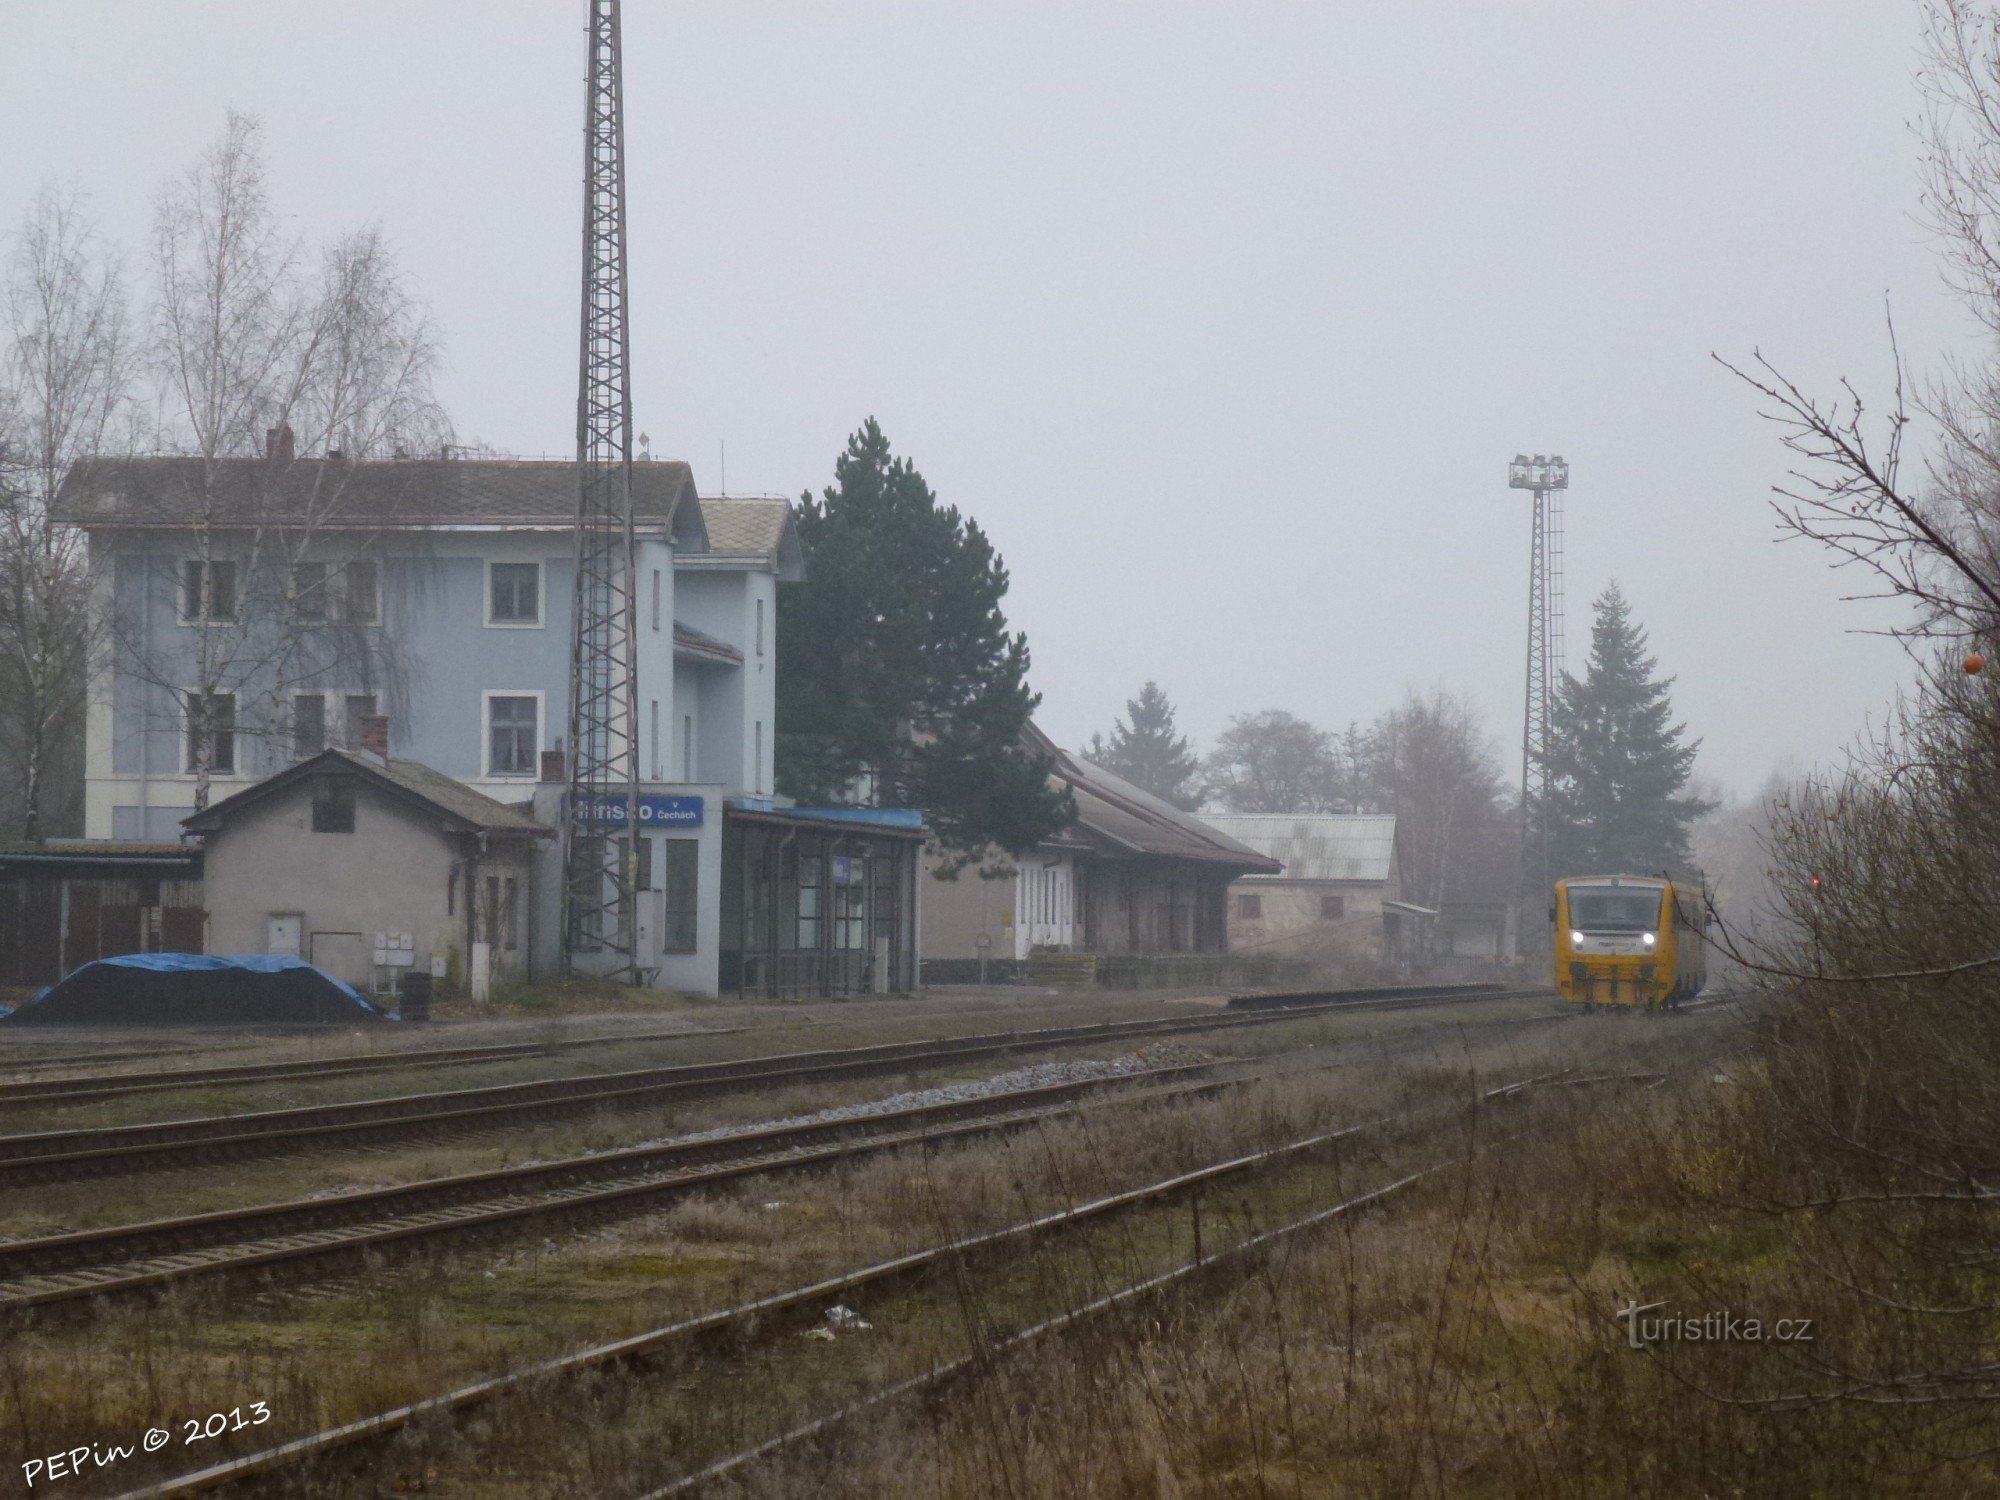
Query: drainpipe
(145, 730)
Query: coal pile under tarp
(196, 989)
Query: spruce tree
(895, 661)
(1618, 766)
(1146, 750)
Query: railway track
(66, 1155)
(762, 1313)
(92, 1087)
(309, 1234)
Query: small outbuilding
(367, 868)
(1339, 895)
(65, 903)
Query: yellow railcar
(1628, 940)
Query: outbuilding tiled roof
(332, 492)
(1317, 846)
(458, 804)
(448, 793)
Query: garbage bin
(416, 995)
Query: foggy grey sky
(1223, 320)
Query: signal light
(1814, 882)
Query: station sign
(655, 811)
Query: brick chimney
(279, 444)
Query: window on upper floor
(360, 592)
(513, 733)
(1332, 908)
(211, 721)
(308, 725)
(309, 593)
(760, 627)
(513, 593)
(349, 593)
(317, 716)
(208, 591)
(1250, 908)
(656, 598)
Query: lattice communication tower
(1547, 477)
(600, 858)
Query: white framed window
(360, 592)
(310, 593)
(514, 595)
(656, 598)
(208, 591)
(757, 771)
(323, 719)
(760, 627)
(217, 726)
(511, 721)
(348, 593)
(687, 747)
(655, 736)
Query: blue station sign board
(654, 811)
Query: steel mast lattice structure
(600, 858)
(1547, 477)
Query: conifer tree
(895, 661)
(1146, 750)
(1618, 764)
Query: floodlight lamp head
(1542, 472)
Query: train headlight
(1648, 938)
(1576, 940)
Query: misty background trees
(1146, 749)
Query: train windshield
(1613, 909)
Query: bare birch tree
(66, 375)
(274, 384)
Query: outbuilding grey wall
(393, 873)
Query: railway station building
(1132, 876)
(264, 611)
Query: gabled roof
(1317, 846)
(373, 494)
(1115, 815)
(459, 807)
(754, 526)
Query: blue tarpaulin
(197, 989)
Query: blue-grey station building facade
(256, 612)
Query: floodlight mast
(1547, 477)
(600, 852)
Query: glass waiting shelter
(819, 901)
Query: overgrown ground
(374, 1340)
